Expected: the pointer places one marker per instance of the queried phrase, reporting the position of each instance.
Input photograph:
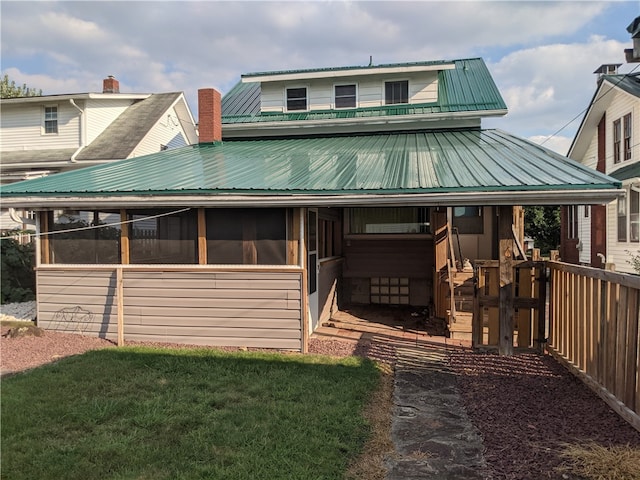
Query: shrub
(17, 277)
(634, 260)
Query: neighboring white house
(49, 134)
(607, 141)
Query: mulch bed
(527, 407)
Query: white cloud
(558, 144)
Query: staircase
(460, 323)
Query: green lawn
(140, 413)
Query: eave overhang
(576, 196)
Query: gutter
(528, 197)
(83, 133)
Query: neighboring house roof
(468, 87)
(627, 172)
(453, 167)
(600, 102)
(120, 139)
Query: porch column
(505, 239)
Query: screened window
(627, 137)
(76, 242)
(617, 135)
(622, 219)
(468, 220)
(51, 120)
(345, 96)
(634, 216)
(389, 220)
(297, 98)
(247, 236)
(163, 239)
(396, 92)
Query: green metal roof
(627, 172)
(400, 163)
(352, 67)
(468, 87)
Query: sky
(541, 54)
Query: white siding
(423, 88)
(21, 127)
(167, 131)
(584, 234)
(617, 251)
(621, 105)
(100, 113)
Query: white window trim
(384, 91)
(344, 84)
(44, 117)
(284, 98)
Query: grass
(141, 413)
(596, 462)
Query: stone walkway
(432, 434)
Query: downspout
(82, 131)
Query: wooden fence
(595, 332)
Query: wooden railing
(595, 332)
(528, 299)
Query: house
(309, 190)
(55, 133)
(607, 142)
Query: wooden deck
(401, 325)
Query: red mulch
(527, 406)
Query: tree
(9, 89)
(543, 225)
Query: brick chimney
(209, 115)
(110, 85)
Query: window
(389, 220)
(627, 137)
(345, 96)
(622, 219)
(396, 92)
(468, 220)
(166, 239)
(617, 134)
(297, 98)
(587, 209)
(247, 236)
(86, 246)
(50, 120)
(634, 216)
(572, 221)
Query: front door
(312, 266)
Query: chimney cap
(608, 69)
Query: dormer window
(51, 120)
(297, 98)
(345, 96)
(396, 92)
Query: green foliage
(186, 414)
(9, 89)
(543, 225)
(634, 260)
(17, 276)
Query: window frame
(398, 81)
(421, 212)
(622, 217)
(626, 137)
(471, 224)
(634, 216)
(306, 98)
(46, 121)
(335, 95)
(573, 227)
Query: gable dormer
(407, 96)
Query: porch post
(505, 238)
